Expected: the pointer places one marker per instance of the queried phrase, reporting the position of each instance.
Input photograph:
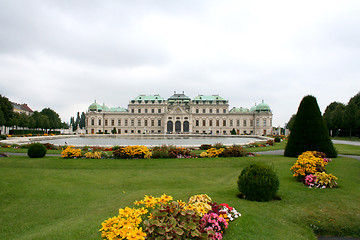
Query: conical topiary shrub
(309, 132)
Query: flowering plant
(136, 151)
(93, 155)
(310, 180)
(165, 218)
(212, 152)
(308, 162)
(325, 180)
(310, 169)
(71, 152)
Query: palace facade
(179, 114)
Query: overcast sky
(66, 54)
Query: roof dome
(263, 107)
(105, 108)
(95, 107)
(253, 108)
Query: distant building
(22, 108)
(179, 114)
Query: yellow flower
(165, 198)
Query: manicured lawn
(54, 198)
(347, 149)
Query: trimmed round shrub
(277, 139)
(36, 150)
(258, 182)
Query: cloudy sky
(66, 54)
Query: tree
(291, 122)
(309, 132)
(334, 117)
(2, 118)
(82, 120)
(352, 114)
(77, 122)
(7, 110)
(233, 131)
(351, 117)
(54, 119)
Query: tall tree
(309, 132)
(7, 109)
(82, 120)
(2, 118)
(54, 119)
(352, 117)
(290, 124)
(333, 117)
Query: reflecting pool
(185, 141)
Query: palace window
(251, 123)
(139, 122)
(197, 110)
(231, 123)
(152, 110)
(92, 122)
(197, 123)
(244, 123)
(217, 110)
(224, 110)
(119, 122)
(159, 122)
(106, 122)
(238, 123)
(112, 122)
(146, 110)
(139, 110)
(132, 122)
(264, 122)
(132, 110)
(224, 123)
(210, 110)
(145, 122)
(204, 110)
(126, 122)
(159, 110)
(217, 123)
(204, 123)
(152, 122)
(99, 121)
(257, 122)
(210, 123)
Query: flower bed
(165, 218)
(139, 152)
(310, 169)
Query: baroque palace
(179, 114)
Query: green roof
(263, 107)
(105, 108)
(148, 97)
(118, 109)
(209, 98)
(239, 110)
(95, 107)
(179, 97)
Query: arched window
(169, 126)
(186, 126)
(177, 126)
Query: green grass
(25, 150)
(347, 138)
(54, 198)
(347, 149)
(276, 146)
